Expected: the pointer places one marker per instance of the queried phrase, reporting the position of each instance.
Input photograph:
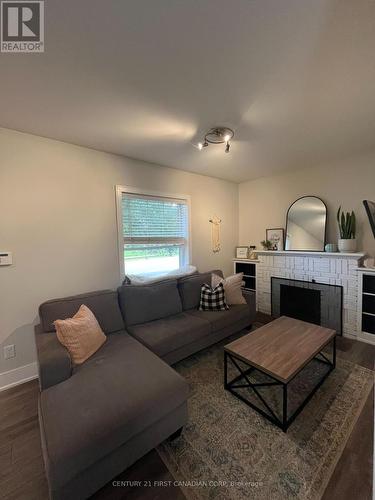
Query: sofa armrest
(250, 298)
(54, 362)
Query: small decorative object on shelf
(266, 244)
(253, 255)
(276, 237)
(347, 228)
(369, 263)
(242, 252)
(331, 247)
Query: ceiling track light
(217, 135)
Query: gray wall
(58, 217)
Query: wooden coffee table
(280, 349)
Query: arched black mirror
(306, 222)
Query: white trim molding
(18, 376)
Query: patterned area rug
(228, 451)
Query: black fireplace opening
(300, 303)
(317, 303)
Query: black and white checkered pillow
(213, 299)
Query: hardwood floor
(21, 465)
(22, 472)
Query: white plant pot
(347, 246)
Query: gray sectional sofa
(100, 417)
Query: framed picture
(276, 237)
(242, 252)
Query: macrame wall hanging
(215, 233)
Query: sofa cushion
(168, 334)
(103, 304)
(232, 286)
(190, 288)
(120, 391)
(213, 299)
(81, 335)
(142, 303)
(222, 319)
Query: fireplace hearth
(318, 303)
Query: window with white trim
(154, 232)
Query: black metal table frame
(271, 416)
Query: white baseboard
(18, 376)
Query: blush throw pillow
(212, 299)
(232, 286)
(80, 335)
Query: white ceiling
(295, 79)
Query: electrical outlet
(9, 351)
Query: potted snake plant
(347, 228)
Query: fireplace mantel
(357, 256)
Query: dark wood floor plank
(35, 489)
(11, 433)
(19, 390)
(30, 471)
(26, 446)
(5, 460)
(357, 352)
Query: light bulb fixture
(217, 135)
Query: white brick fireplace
(331, 268)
